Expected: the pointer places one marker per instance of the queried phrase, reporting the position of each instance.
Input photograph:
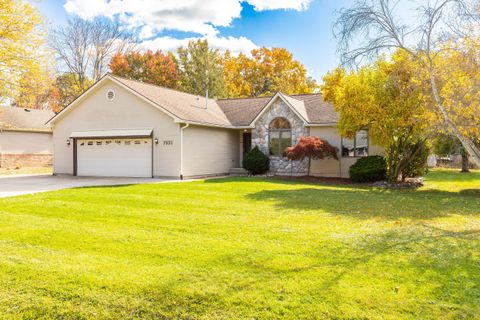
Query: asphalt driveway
(28, 184)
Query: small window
(108, 142)
(82, 143)
(99, 143)
(118, 141)
(110, 95)
(90, 143)
(127, 142)
(356, 147)
(138, 142)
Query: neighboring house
(121, 127)
(25, 140)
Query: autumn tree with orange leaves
(311, 148)
(151, 67)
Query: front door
(247, 142)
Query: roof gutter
(324, 124)
(181, 148)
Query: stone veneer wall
(280, 165)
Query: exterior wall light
(68, 142)
(155, 140)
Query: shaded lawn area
(240, 248)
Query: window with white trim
(356, 147)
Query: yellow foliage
(23, 57)
(264, 73)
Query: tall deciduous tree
(266, 72)
(311, 148)
(201, 69)
(370, 27)
(383, 98)
(84, 47)
(21, 53)
(150, 67)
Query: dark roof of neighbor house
(13, 118)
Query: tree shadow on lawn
(363, 202)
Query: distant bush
(369, 169)
(256, 162)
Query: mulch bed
(412, 184)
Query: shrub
(417, 167)
(256, 162)
(369, 169)
(311, 148)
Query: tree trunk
(469, 146)
(465, 162)
(309, 163)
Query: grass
(241, 248)
(25, 170)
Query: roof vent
(110, 95)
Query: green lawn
(243, 248)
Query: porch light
(68, 142)
(155, 140)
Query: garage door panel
(114, 158)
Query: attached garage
(113, 153)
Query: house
(122, 127)
(25, 140)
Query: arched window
(279, 136)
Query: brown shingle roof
(183, 105)
(226, 112)
(241, 112)
(12, 118)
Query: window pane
(274, 143)
(279, 123)
(361, 143)
(285, 141)
(348, 148)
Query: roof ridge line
(157, 86)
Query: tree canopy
(150, 67)
(23, 57)
(264, 73)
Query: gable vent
(110, 95)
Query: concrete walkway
(28, 184)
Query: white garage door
(115, 157)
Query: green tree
(201, 69)
(65, 89)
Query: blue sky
(302, 26)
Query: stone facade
(25, 160)
(280, 165)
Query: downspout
(181, 149)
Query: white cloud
(262, 5)
(153, 16)
(203, 17)
(235, 45)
